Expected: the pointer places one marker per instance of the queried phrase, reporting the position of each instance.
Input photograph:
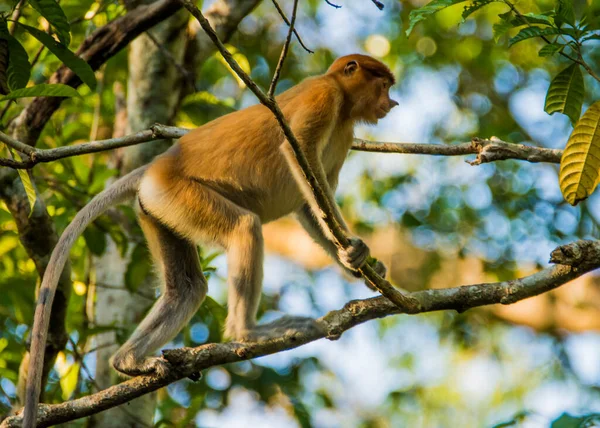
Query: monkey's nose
(393, 103)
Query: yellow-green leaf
(68, 381)
(580, 163)
(27, 183)
(565, 94)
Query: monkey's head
(366, 83)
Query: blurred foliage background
(436, 222)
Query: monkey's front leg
(245, 266)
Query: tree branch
(96, 49)
(282, 14)
(487, 150)
(573, 260)
(284, 52)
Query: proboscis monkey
(220, 183)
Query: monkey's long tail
(121, 190)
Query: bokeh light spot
(426, 46)
(377, 45)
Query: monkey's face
(384, 103)
(376, 103)
(367, 83)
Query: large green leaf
(78, 65)
(429, 9)
(50, 10)
(564, 12)
(566, 92)
(42, 90)
(4, 89)
(19, 68)
(530, 32)
(580, 163)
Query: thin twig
(280, 11)
(572, 261)
(321, 198)
(284, 52)
(15, 17)
(578, 60)
(379, 5)
(337, 6)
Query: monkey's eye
(385, 84)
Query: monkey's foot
(129, 366)
(286, 326)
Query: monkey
(219, 184)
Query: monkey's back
(238, 155)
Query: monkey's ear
(350, 68)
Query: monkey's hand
(354, 256)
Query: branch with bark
(571, 261)
(486, 149)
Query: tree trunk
(152, 92)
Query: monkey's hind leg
(183, 289)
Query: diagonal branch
(322, 200)
(575, 260)
(284, 52)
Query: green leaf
(19, 68)
(564, 13)
(591, 37)
(532, 18)
(502, 27)
(50, 10)
(75, 63)
(580, 163)
(4, 89)
(95, 239)
(218, 312)
(586, 421)
(27, 183)
(550, 49)
(68, 381)
(139, 267)
(475, 6)
(43, 90)
(530, 32)
(566, 92)
(426, 11)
